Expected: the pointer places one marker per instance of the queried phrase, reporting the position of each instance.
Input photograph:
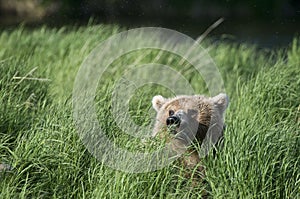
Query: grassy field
(260, 157)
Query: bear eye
(171, 112)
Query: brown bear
(188, 120)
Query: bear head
(190, 117)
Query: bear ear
(221, 101)
(158, 101)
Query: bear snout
(173, 120)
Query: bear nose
(173, 120)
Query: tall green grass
(260, 157)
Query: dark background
(267, 23)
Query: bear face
(189, 118)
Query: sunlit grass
(259, 158)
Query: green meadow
(259, 157)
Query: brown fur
(203, 113)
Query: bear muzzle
(173, 120)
